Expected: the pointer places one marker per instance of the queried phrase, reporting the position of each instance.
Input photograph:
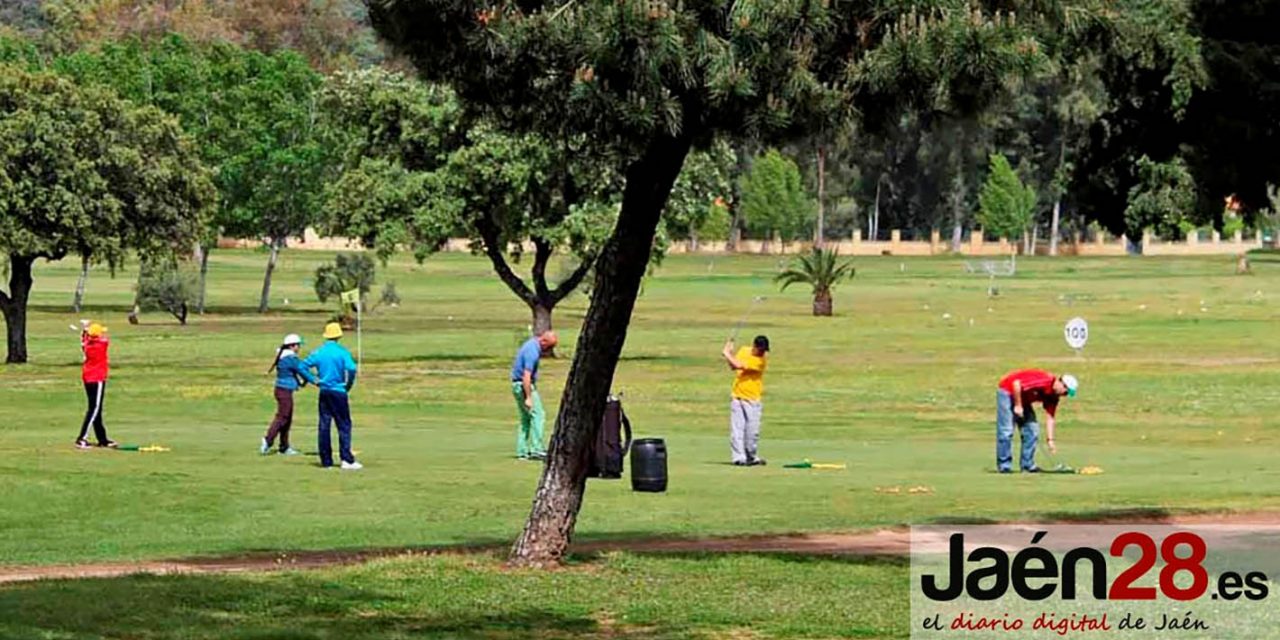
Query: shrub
(166, 288)
(349, 271)
(1165, 193)
(1006, 206)
(774, 199)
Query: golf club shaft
(743, 320)
(734, 336)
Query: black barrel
(649, 465)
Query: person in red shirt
(94, 343)
(1014, 399)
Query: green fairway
(1174, 407)
(899, 386)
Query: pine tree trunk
(78, 302)
(874, 221)
(621, 267)
(743, 166)
(822, 304)
(960, 191)
(265, 301)
(1053, 229)
(819, 235)
(201, 286)
(14, 307)
(1057, 203)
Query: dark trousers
(334, 407)
(97, 394)
(284, 419)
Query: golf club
(743, 320)
(1058, 467)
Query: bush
(716, 225)
(166, 288)
(1165, 193)
(774, 199)
(349, 271)
(390, 297)
(1006, 206)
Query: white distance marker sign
(1076, 333)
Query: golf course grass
(1176, 406)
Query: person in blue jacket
(336, 371)
(290, 376)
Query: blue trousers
(334, 407)
(1004, 434)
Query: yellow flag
(351, 297)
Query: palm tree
(819, 269)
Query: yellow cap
(96, 330)
(332, 331)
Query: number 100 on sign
(1076, 333)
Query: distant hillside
(330, 33)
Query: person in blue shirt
(524, 386)
(290, 375)
(336, 373)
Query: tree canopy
(85, 172)
(254, 120)
(418, 170)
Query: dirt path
(890, 542)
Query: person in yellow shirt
(745, 409)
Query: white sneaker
(352, 466)
(264, 448)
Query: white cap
(1072, 384)
(292, 338)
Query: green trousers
(529, 431)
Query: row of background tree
(1073, 136)
(303, 120)
(1076, 136)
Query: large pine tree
(645, 81)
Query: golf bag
(609, 449)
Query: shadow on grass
(960, 521)
(472, 598)
(809, 559)
(647, 358)
(1103, 516)
(92, 310)
(436, 357)
(252, 310)
(291, 606)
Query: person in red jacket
(94, 343)
(1017, 392)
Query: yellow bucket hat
(332, 331)
(96, 330)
